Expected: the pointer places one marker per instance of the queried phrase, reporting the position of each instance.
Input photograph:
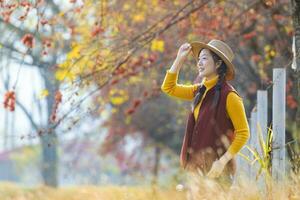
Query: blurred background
(80, 83)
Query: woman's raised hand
(183, 51)
(181, 56)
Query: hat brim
(198, 46)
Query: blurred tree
(294, 99)
(25, 35)
(116, 51)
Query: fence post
(253, 141)
(262, 112)
(278, 161)
(262, 121)
(242, 165)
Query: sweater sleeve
(172, 88)
(236, 111)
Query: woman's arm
(236, 111)
(172, 88)
(170, 85)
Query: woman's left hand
(216, 169)
(218, 165)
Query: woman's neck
(213, 76)
(209, 83)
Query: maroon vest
(208, 138)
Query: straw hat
(221, 49)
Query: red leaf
(9, 100)
(27, 40)
(250, 35)
(136, 103)
(58, 97)
(97, 30)
(129, 111)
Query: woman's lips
(201, 69)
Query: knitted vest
(208, 138)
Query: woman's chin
(201, 75)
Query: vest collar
(210, 83)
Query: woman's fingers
(186, 46)
(184, 50)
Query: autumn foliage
(58, 100)
(28, 40)
(10, 100)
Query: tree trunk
(156, 165)
(49, 140)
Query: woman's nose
(199, 63)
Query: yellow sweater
(234, 106)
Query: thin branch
(28, 115)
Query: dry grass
(247, 190)
(10, 191)
(206, 189)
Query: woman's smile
(201, 69)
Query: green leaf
(244, 156)
(261, 141)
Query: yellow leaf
(176, 2)
(118, 97)
(64, 74)
(60, 75)
(119, 19)
(134, 80)
(44, 93)
(157, 45)
(74, 53)
(139, 17)
(81, 64)
(61, 14)
(267, 48)
(113, 110)
(154, 2)
(126, 6)
(117, 100)
(272, 53)
(65, 64)
(104, 53)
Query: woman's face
(206, 65)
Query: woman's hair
(221, 71)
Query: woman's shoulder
(228, 88)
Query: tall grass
(273, 188)
(200, 187)
(263, 158)
(288, 188)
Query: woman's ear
(218, 64)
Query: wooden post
(262, 112)
(262, 120)
(278, 161)
(243, 167)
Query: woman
(217, 126)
